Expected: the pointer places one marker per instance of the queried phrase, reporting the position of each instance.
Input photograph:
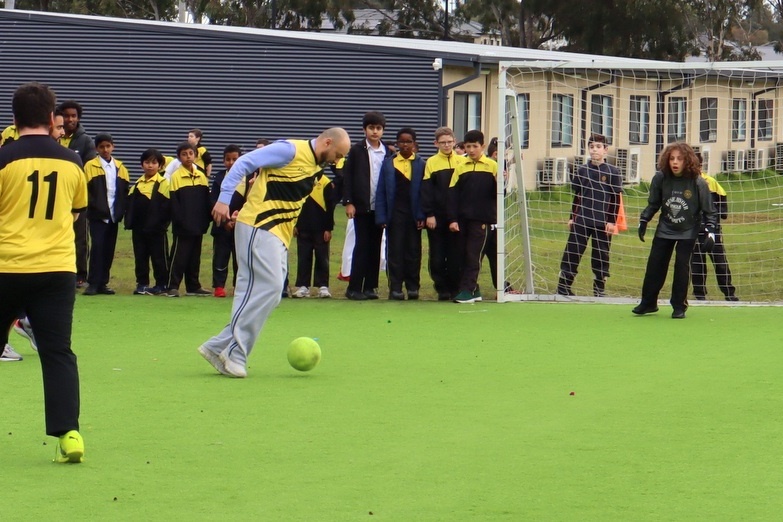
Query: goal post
(732, 114)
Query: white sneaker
(324, 292)
(302, 291)
(233, 368)
(23, 328)
(9, 354)
(212, 359)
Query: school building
(148, 83)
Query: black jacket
(82, 144)
(356, 177)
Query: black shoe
(444, 296)
(396, 296)
(732, 298)
(105, 290)
(562, 290)
(700, 297)
(371, 294)
(91, 290)
(413, 295)
(599, 288)
(353, 295)
(641, 310)
(678, 314)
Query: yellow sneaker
(70, 448)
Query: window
(467, 112)
(708, 120)
(677, 119)
(639, 128)
(602, 121)
(739, 119)
(765, 119)
(523, 116)
(562, 120)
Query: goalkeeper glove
(708, 239)
(642, 229)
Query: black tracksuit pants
(103, 244)
(312, 258)
(403, 252)
(721, 264)
(47, 299)
(185, 262)
(366, 262)
(444, 258)
(658, 267)
(473, 239)
(223, 252)
(151, 247)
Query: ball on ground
(304, 354)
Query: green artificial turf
(418, 411)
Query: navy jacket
(384, 196)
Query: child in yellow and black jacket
(148, 217)
(107, 198)
(472, 211)
(190, 218)
(313, 233)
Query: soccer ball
(304, 354)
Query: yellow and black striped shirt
(277, 196)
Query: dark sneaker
(198, 292)
(155, 290)
(105, 290)
(394, 295)
(678, 314)
(465, 297)
(732, 298)
(353, 295)
(141, 290)
(444, 296)
(477, 295)
(172, 292)
(91, 290)
(599, 288)
(371, 294)
(413, 295)
(641, 310)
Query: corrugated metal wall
(148, 86)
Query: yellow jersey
(41, 185)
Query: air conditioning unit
(779, 157)
(554, 171)
(729, 161)
(633, 174)
(740, 160)
(621, 161)
(750, 160)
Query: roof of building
(456, 53)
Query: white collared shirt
(110, 168)
(376, 160)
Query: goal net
(731, 114)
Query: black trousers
(658, 267)
(47, 299)
(600, 242)
(223, 252)
(312, 255)
(444, 258)
(150, 247)
(403, 252)
(185, 262)
(473, 238)
(82, 246)
(719, 261)
(103, 244)
(366, 262)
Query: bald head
(332, 145)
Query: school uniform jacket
(356, 177)
(318, 209)
(190, 205)
(97, 202)
(81, 143)
(387, 188)
(597, 190)
(685, 203)
(435, 185)
(473, 191)
(149, 206)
